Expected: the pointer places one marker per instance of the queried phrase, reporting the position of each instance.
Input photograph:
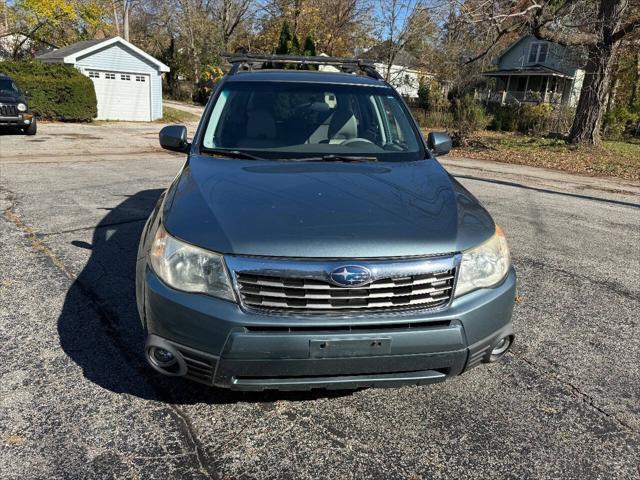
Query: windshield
(7, 86)
(298, 120)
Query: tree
(126, 11)
(403, 26)
(4, 17)
(309, 48)
(229, 15)
(609, 31)
(338, 27)
(424, 95)
(285, 39)
(57, 22)
(288, 43)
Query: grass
(173, 115)
(612, 159)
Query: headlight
(485, 265)
(188, 268)
(22, 107)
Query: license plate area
(352, 347)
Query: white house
(127, 80)
(404, 74)
(404, 79)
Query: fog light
(163, 357)
(502, 346)
(499, 349)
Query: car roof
(305, 76)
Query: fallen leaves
(15, 440)
(555, 154)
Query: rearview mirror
(439, 143)
(174, 138)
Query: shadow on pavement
(11, 131)
(100, 329)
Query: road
(78, 401)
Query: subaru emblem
(351, 276)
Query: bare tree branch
(626, 29)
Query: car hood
(11, 99)
(320, 209)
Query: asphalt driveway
(78, 401)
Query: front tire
(31, 129)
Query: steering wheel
(356, 140)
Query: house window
(140, 78)
(538, 52)
(125, 77)
(94, 74)
(110, 76)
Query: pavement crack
(577, 391)
(197, 448)
(94, 227)
(11, 215)
(109, 320)
(609, 285)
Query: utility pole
(125, 19)
(116, 18)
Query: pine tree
(284, 42)
(295, 46)
(309, 48)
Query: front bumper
(22, 120)
(218, 343)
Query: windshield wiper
(231, 153)
(336, 158)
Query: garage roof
(71, 53)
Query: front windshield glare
(287, 120)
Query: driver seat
(342, 127)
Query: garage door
(122, 96)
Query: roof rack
(247, 61)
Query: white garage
(127, 80)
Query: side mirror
(174, 138)
(439, 143)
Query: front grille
(428, 290)
(8, 111)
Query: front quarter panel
(146, 238)
(475, 224)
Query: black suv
(14, 111)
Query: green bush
(424, 94)
(535, 119)
(56, 91)
(468, 116)
(505, 118)
(442, 119)
(616, 121)
(532, 119)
